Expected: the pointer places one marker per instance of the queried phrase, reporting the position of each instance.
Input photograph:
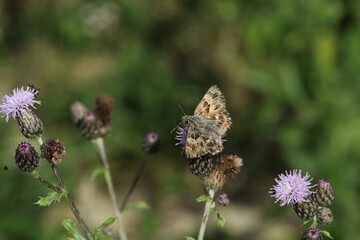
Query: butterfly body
(206, 128)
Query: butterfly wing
(212, 106)
(199, 143)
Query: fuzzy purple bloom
(19, 102)
(182, 135)
(291, 188)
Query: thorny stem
(69, 199)
(205, 218)
(100, 149)
(134, 183)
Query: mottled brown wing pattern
(212, 106)
(198, 144)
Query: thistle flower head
(291, 188)
(312, 234)
(181, 135)
(26, 157)
(20, 101)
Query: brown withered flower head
(53, 150)
(227, 166)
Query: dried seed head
(324, 194)
(227, 166)
(53, 150)
(151, 143)
(104, 104)
(305, 210)
(202, 166)
(26, 157)
(324, 216)
(312, 234)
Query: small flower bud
(324, 194)
(325, 216)
(202, 166)
(30, 125)
(26, 157)
(312, 234)
(53, 150)
(305, 210)
(78, 111)
(151, 143)
(223, 199)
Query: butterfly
(204, 131)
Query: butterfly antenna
(175, 127)
(182, 109)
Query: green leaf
(107, 222)
(137, 205)
(72, 229)
(220, 220)
(203, 198)
(189, 238)
(97, 172)
(327, 234)
(49, 199)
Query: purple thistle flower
(19, 102)
(291, 188)
(182, 135)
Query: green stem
(45, 182)
(205, 218)
(100, 149)
(62, 188)
(134, 183)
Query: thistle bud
(324, 216)
(151, 143)
(53, 150)
(305, 210)
(78, 111)
(202, 166)
(26, 157)
(312, 234)
(30, 125)
(223, 199)
(227, 166)
(324, 194)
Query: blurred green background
(289, 71)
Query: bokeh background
(289, 71)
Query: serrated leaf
(202, 198)
(220, 220)
(107, 222)
(137, 205)
(97, 172)
(327, 234)
(49, 199)
(189, 238)
(72, 229)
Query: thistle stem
(100, 149)
(68, 198)
(205, 218)
(134, 183)
(45, 182)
